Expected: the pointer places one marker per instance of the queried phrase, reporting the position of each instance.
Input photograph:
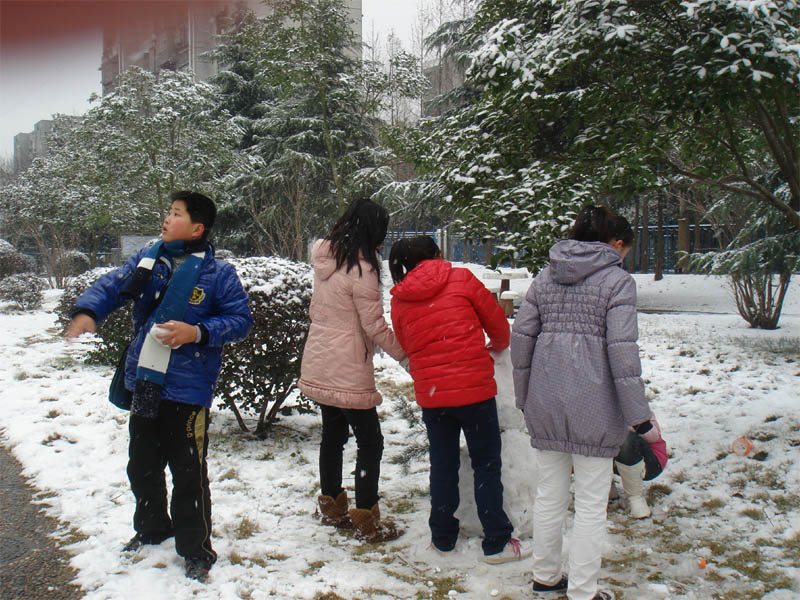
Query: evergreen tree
(585, 100)
(308, 107)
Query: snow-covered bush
(12, 261)
(114, 333)
(261, 372)
(71, 263)
(23, 289)
(223, 254)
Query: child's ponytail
(407, 253)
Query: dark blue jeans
(634, 449)
(482, 432)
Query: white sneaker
(513, 551)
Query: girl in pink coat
(336, 371)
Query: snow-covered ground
(709, 377)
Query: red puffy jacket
(439, 314)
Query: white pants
(592, 483)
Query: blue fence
(460, 250)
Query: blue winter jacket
(221, 306)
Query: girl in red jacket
(439, 315)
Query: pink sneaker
(512, 551)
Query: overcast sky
(45, 77)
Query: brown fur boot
(370, 528)
(334, 512)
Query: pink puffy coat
(346, 324)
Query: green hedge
(259, 373)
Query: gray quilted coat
(577, 375)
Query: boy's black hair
(201, 208)
(599, 224)
(407, 253)
(360, 230)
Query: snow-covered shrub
(23, 289)
(261, 372)
(12, 261)
(223, 254)
(115, 332)
(71, 263)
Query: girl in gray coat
(577, 379)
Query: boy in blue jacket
(187, 305)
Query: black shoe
(561, 586)
(137, 541)
(197, 568)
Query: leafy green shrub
(114, 333)
(13, 261)
(23, 289)
(261, 372)
(71, 263)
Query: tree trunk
(659, 271)
(683, 236)
(697, 240)
(331, 154)
(644, 259)
(759, 298)
(637, 243)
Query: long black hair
(600, 224)
(407, 253)
(360, 230)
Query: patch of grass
(704, 371)
(792, 546)
(762, 477)
(754, 513)
(236, 558)
(372, 592)
(402, 506)
(786, 502)
(713, 504)
(21, 376)
(750, 563)
(656, 491)
(440, 587)
(246, 529)
(680, 477)
(313, 567)
(273, 556)
(693, 391)
(782, 345)
(365, 548)
(328, 596)
(52, 414)
(761, 455)
(64, 363)
(400, 576)
(229, 474)
(771, 418)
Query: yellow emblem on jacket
(198, 295)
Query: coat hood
(572, 261)
(423, 281)
(323, 260)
